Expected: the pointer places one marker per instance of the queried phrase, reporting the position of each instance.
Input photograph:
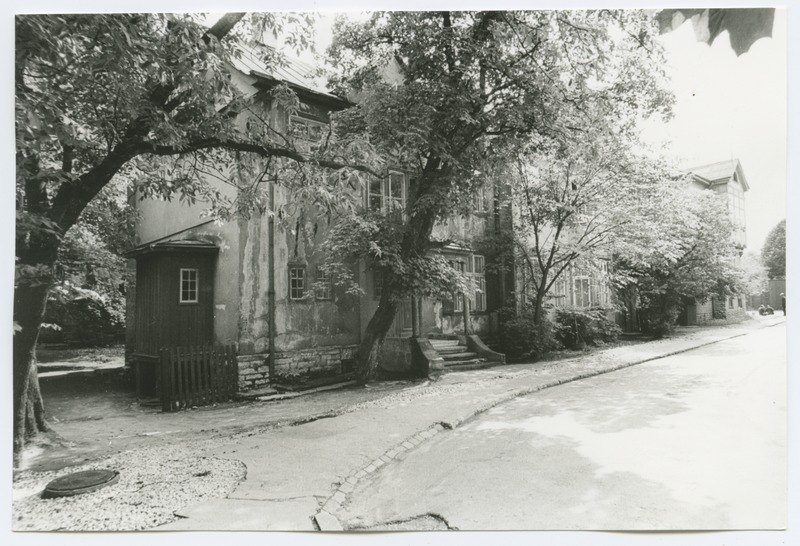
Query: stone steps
(461, 355)
(476, 364)
(457, 356)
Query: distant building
(727, 179)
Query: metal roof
(295, 72)
(172, 246)
(721, 171)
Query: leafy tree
(102, 96)
(680, 249)
(447, 96)
(90, 272)
(572, 201)
(773, 253)
(753, 274)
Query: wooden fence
(197, 376)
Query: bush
(579, 327)
(659, 318)
(659, 324)
(83, 317)
(519, 337)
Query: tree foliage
(573, 200)
(773, 253)
(680, 250)
(106, 95)
(447, 96)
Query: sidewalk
(299, 476)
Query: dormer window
(308, 132)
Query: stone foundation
(290, 365)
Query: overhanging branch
(251, 147)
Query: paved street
(692, 441)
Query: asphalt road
(689, 442)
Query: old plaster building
(253, 283)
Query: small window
(323, 285)
(476, 265)
(480, 294)
(297, 283)
(396, 191)
(480, 199)
(479, 263)
(386, 194)
(306, 129)
(375, 194)
(582, 292)
(189, 285)
(456, 304)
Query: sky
(730, 107)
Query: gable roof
(300, 76)
(721, 171)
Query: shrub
(84, 317)
(659, 322)
(519, 337)
(578, 327)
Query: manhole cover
(78, 483)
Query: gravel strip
(153, 484)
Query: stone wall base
(291, 366)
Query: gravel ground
(153, 484)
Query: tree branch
(251, 147)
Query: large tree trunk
(374, 335)
(41, 250)
(416, 242)
(29, 419)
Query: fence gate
(197, 376)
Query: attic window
(308, 130)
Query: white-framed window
(297, 282)
(189, 285)
(455, 304)
(385, 194)
(478, 270)
(322, 289)
(475, 268)
(582, 291)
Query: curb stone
(327, 521)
